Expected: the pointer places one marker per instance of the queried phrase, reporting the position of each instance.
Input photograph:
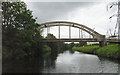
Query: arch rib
(71, 24)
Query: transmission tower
(118, 19)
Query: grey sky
(51, 10)
(91, 14)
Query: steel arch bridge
(97, 37)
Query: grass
(110, 51)
(86, 48)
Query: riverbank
(109, 51)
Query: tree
(20, 36)
(82, 43)
(52, 45)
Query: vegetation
(110, 51)
(71, 45)
(89, 49)
(52, 45)
(82, 43)
(46, 48)
(21, 41)
(56, 47)
(20, 37)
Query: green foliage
(71, 45)
(56, 47)
(50, 36)
(82, 43)
(20, 37)
(52, 45)
(110, 51)
(61, 47)
(46, 48)
(86, 48)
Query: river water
(77, 62)
(65, 62)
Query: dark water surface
(65, 62)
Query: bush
(46, 48)
(110, 51)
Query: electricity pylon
(118, 18)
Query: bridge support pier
(103, 42)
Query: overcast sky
(91, 14)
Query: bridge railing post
(89, 36)
(69, 32)
(59, 32)
(79, 33)
(48, 30)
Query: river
(77, 62)
(65, 62)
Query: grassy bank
(110, 51)
(88, 49)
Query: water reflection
(49, 62)
(109, 66)
(65, 62)
(81, 63)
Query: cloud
(95, 16)
(91, 14)
(46, 11)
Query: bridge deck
(77, 40)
